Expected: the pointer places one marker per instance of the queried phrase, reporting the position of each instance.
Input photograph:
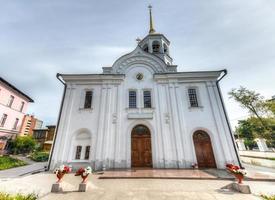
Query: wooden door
(204, 151)
(141, 155)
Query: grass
(265, 197)
(7, 162)
(5, 196)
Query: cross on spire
(152, 30)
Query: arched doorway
(204, 151)
(141, 154)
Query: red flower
(79, 172)
(229, 166)
(67, 169)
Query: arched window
(145, 47)
(81, 146)
(156, 47)
(165, 48)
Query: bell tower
(156, 43)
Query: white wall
(171, 120)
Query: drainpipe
(226, 116)
(58, 76)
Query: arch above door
(204, 151)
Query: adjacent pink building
(13, 106)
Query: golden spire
(152, 30)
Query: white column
(186, 144)
(118, 133)
(100, 130)
(61, 135)
(219, 142)
(173, 125)
(158, 129)
(106, 131)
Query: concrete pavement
(21, 171)
(133, 189)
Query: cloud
(42, 38)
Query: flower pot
(84, 178)
(59, 176)
(239, 177)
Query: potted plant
(84, 173)
(236, 171)
(61, 171)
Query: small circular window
(139, 76)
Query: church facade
(141, 112)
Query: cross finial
(152, 30)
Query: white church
(142, 112)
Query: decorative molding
(138, 56)
(140, 115)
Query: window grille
(3, 120)
(78, 152)
(192, 93)
(15, 123)
(147, 99)
(87, 152)
(88, 99)
(10, 101)
(132, 99)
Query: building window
(87, 153)
(147, 99)
(22, 106)
(3, 120)
(156, 47)
(145, 48)
(78, 152)
(15, 123)
(192, 93)
(132, 99)
(165, 48)
(10, 101)
(88, 99)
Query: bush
(268, 197)
(23, 144)
(40, 156)
(5, 196)
(7, 162)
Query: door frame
(211, 144)
(142, 137)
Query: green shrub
(268, 197)
(40, 156)
(23, 144)
(7, 162)
(5, 196)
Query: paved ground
(21, 171)
(254, 168)
(134, 189)
(168, 174)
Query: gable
(136, 57)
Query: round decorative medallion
(139, 76)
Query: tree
(250, 100)
(270, 106)
(251, 128)
(23, 144)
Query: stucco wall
(172, 124)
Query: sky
(40, 38)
